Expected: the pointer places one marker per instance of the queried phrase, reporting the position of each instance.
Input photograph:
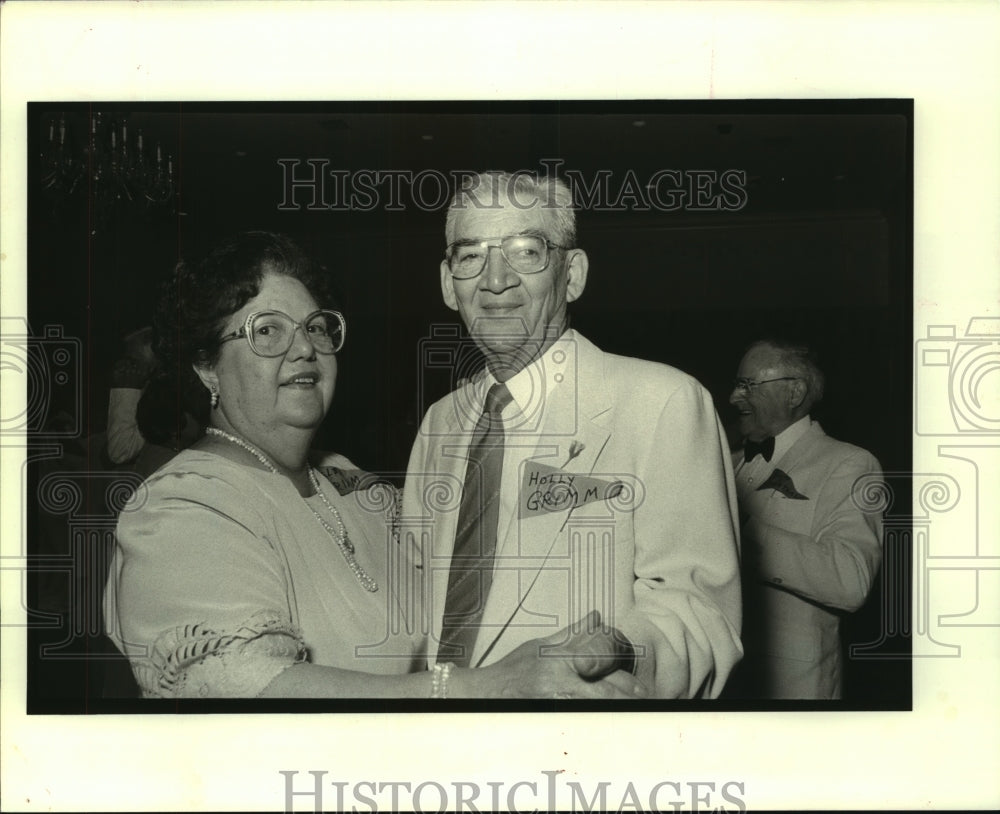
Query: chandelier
(111, 164)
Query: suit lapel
(579, 402)
(801, 449)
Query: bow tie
(753, 448)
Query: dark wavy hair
(202, 294)
(160, 413)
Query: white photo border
(944, 55)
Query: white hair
(799, 360)
(491, 190)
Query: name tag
(545, 489)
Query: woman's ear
(207, 375)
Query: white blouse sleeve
(198, 596)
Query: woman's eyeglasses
(271, 333)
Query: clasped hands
(583, 660)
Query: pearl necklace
(339, 534)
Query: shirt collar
(532, 386)
(786, 439)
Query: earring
(214, 398)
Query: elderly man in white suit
(811, 547)
(616, 493)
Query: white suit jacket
(659, 560)
(810, 560)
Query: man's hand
(580, 661)
(600, 650)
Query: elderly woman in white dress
(243, 571)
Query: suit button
(776, 580)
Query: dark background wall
(820, 248)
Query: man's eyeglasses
(526, 254)
(746, 386)
(271, 333)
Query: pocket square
(546, 489)
(781, 482)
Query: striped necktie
(471, 573)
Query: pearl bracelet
(439, 679)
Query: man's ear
(797, 393)
(448, 287)
(576, 274)
(207, 375)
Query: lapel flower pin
(575, 448)
(780, 481)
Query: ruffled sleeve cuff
(196, 661)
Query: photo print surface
(708, 225)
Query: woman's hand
(577, 662)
